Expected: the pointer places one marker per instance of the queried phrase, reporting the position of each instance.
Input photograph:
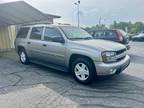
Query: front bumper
(112, 68)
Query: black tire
(26, 61)
(90, 66)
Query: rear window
(36, 33)
(23, 32)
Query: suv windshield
(76, 33)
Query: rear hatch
(123, 37)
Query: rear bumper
(112, 68)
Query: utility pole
(100, 23)
(78, 13)
(100, 20)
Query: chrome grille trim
(120, 54)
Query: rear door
(34, 43)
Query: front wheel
(23, 57)
(83, 70)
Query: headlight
(108, 56)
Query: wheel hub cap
(81, 71)
(23, 57)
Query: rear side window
(110, 34)
(99, 35)
(23, 32)
(36, 33)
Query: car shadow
(118, 91)
(125, 88)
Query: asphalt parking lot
(34, 86)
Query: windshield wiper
(76, 38)
(86, 38)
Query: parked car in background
(113, 35)
(139, 37)
(70, 49)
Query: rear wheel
(83, 70)
(23, 56)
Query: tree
(136, 27)
(132, 28)
(96, 27)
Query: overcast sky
(91, 10)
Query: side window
(36, 33)
(110, 34)
(23, 32)
(91, 33)
(52, 34)
(99, 35)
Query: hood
(101, 45)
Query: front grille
(121, 54)
(119, 59)
(120, 51)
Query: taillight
(120, 36)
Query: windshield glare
(76, 33)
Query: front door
(53, 51)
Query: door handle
(44, 45)
(28, 42)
